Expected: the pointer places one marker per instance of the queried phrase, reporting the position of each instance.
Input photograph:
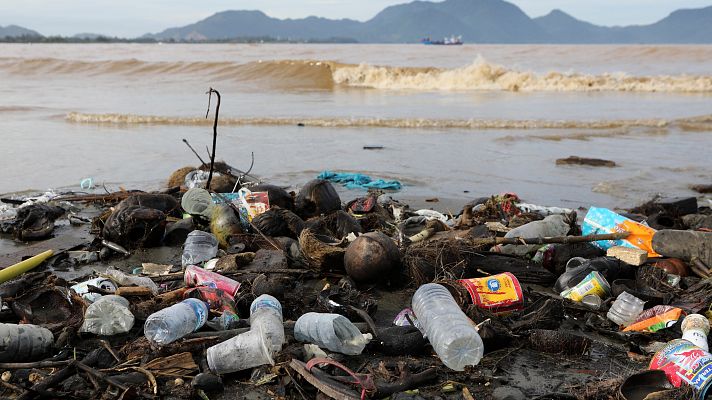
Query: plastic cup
(244, 351)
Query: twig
(194, 152)
(110, 350)
(36, 364)
(109, 380)
(239, 180)
(215, 132)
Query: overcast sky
(130, 18)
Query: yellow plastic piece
(24, 266)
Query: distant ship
(451, 41)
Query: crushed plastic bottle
(452, 334)
(199, 247)
(625, 309)
(172, 323)
(553, 225)
(331, 331)
(24, 342)
(109, 315)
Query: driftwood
(176, 276)
(561, 239)
(330, 388)
(288, 327)
(36, 364)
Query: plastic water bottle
(109, 315)
(172, 323)
(452, 334)
(553, 225)
(199, 247)
(331, 331)
(24, 342)
(695, 328)
(625, 309)
(266, 314)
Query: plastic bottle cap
(696, 321)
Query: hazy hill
(14, 30)
(233, 24)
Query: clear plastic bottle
(172, 323)
(109, 315)
(199, 247)
(266, 313)
(24, 342)
(331, 331)
(625, 309)
(452, 334)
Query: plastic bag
(603, 220)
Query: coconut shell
(370, 257)
(279, 222)
(225, 224)
(317, 197)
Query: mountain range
(478, 21)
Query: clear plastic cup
(244, 351)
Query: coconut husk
(135, 226)
(558, 342)
(279, 222)
(319, 253)
(439, 259)
(50, 307)
(177, 178)
(337, 224)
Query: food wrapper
(655, 319)
(602, 220)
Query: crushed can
(683, 361)
(82, 288)
(499, 294)
(195, 276)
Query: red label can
(499, 294)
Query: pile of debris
(249, 290)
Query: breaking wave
(422, 123)
(480, 75)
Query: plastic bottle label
(682, 360)
(200, 310)
(266, 303)
(500, 293)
